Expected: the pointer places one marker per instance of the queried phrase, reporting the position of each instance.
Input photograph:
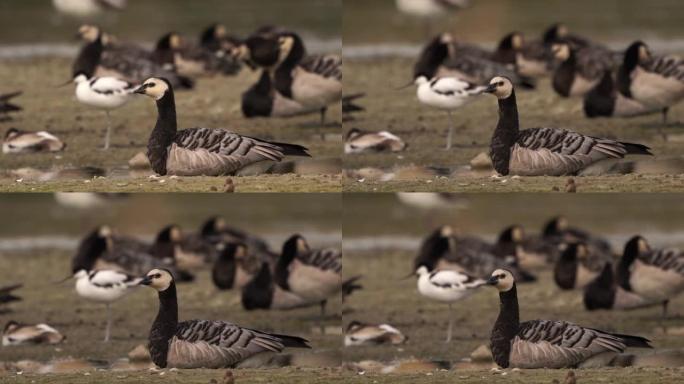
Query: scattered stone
(229, 187)
(481, 162)
(570, 186)
(139, 353)
(139, 161)
(482, 354)
(570, 378)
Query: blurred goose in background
(216, 39)
(430, 8)
(106, 93)
(174, 52)
(444, 57)
(203, 343)
(444, 249)
(86, 8)
(545, 151)
(15, 333)
(578, 266)
(104, 286)
(89, 200)
(6, 296)
(529, 58)
(262, 292)
(216, 229)
(446, 286)
(357, 333)
(559, 32)
(604, 292)
(580, 69)
(656, 81)
(657, 275)
(170, 241)
(6, 106)
(94, 59)
(447, 93)
(548, 343)
(18, 141)
(262, 99)
(234, 267)
(102, 249)
(202, 151)
(558, 230)
(358, 141)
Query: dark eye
(157, 275)
(502, 276)
(500, 84)
(152, 84)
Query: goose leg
(322, 318)
(450, 135)
(109, 323)
(320, 129)
(451, 324)
(660, 128)
(109, 129)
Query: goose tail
(637, 149)
(350, 285)
(292, 341)
(634, 341)
(293, 149)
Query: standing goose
(203, 343)
(443, 249)
(96, 60)
(529, 58)
(444, 57)
(104, 286)
(656, 275)
(235, 267)
(17, 141)
(102, 249)
(6, 106)
(202, 151)
(106, 93)
(174, 52)
(447, 93)
(545, 151)
(580, 69)
(604, 292)
(446, 286)
(578, 266)
(358, 141)
(655, 81)
(548, 343)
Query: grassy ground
(215, 103)
(424, 129)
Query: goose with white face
(153, 87)
(88, 32)
(158, 279)
(500, 86)
(502, 279)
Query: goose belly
(655, 284)
(531, 68)
(198, 162)
(199, 354)
(313, 284)
(314, 91)
(286, 107)
(78, 8)
(527, 162)
(625, 106)
(242, 277)
(283, 299)
(580, 85)
(654, 90)
(584, 276)
(542, 354)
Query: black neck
(600, 101)
(505, 134)
(505, 327)
(258, 293)
(629, 255)
(89, 58)
(164, 325)
(258, 100)
(600, 293)
(624, 75)
(164, 132)
(282, 268)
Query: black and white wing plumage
(451, 86)
(667, 259)
(214, 152)
(667, 66)
(328, 66)
(594, 61)
(555, 151)
(220, 344)
(326, 259)
(559, 344)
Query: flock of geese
(108, 73)
(451, 266)
(107, 267)
(450, 73)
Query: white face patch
(517, 235)
(155, 88)
(561, 52)
(517, 41)
(643, 246)
(286, 44)
(446, 231)
(174, 41)
(160, 279)
(644, 55)
(302, 246)
(504, 281)
(89, 32)
(105, 231)
(582, 251)
(176, 235)
(504, 87)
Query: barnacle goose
(170, 241)
(102, 249)
(444, 57)
(215, 38)
(657, 275)
(235, 266)
(262, 292)
(172, 51)
(580, 69)
(529, 58)
(95, 59)
(202, 151)
(656, 81)
(445, 249)
(447, 93)
(104, 286)
(604, 292)
(15, 333)
(545, 151)
(578, 266)
(18, 141)
(357, 333)
(203, 343)
(358, 141)
(446, 286)
(548, 343)
(6, 106)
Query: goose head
(154, 87)
(502, 279)
(170, 234)
(555, 32)
(159, 279)
(500, 86)
(636, 53)
(89, 33)
(637, 245)
(212, 226)
(291, 47)
(561, 51)
(513, 40)
(514, 234)
(170, 41)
